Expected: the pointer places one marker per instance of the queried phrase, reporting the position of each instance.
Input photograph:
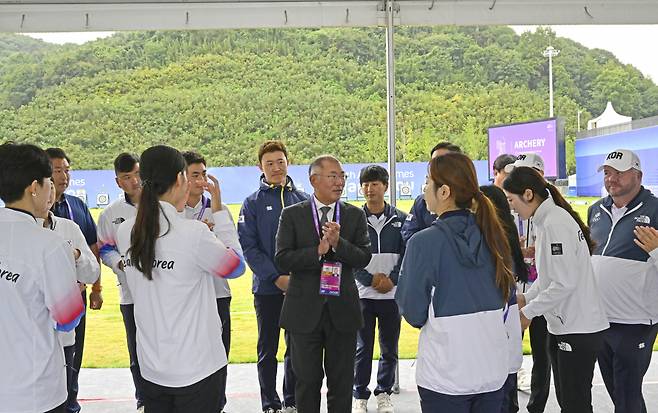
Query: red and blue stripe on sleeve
(231, 265)
(67, 311)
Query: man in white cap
(625, 261)
(539, 382)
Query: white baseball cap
(531, 160)
(622, 160)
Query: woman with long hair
(511, 317)
(565, 292)
(454, 284)
(170, 263)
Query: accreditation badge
(330, 278)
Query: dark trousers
(540, 382)
(73, 369)
(224, 310)
(324, 346)
(387, 316)
(69, 356)
(433, 402)
(268, 310)
(58, 409)
(510, 395)
(200, 397)
(128, 315)
(624, 359)
(573, 357)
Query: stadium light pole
(390, 101)
(550, 52)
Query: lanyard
(204, 205)
(505, 313)
(65, 201)
(520, 226)
(316, 220)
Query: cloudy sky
(628, 43)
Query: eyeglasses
(335, 177)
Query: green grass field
(106, 342)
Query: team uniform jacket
(565, 292)
(387, 249)
(86, 266)
(39, 295)
(178, 327)
(257, 226)
(627, 276)
(224, 228)
(108, 225)
(418, 219)
(447, 288)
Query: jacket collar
(169, 209)
(389, 211)
(20, 214)
(542, 211)
(641, 196)
(265, 186)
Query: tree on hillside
(223, 92)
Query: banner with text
(98, 188)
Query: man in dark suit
(315, 235)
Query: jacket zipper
(615, 224)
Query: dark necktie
(323, 219)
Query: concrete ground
(111, 390)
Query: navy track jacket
(257, 226)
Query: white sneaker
(384, 404)
(140, 409)
(360, 406)
(523, 379)
(289, 409)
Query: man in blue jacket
(377, 284)
(624, 226)
(420, 217)
(257, 226)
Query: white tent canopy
(111, 15)
(609, 117)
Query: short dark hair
(319, 160)
(271, 146)
(502, 161)
(447, 146)
(57, 153)
(20, 165)
(125, 162)
(373, 173)
(192, 157)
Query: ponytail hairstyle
(498, 198)
(523, 177)
(159, 168)
(456, 170)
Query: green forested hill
(223, 92)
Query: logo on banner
(102, 199)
